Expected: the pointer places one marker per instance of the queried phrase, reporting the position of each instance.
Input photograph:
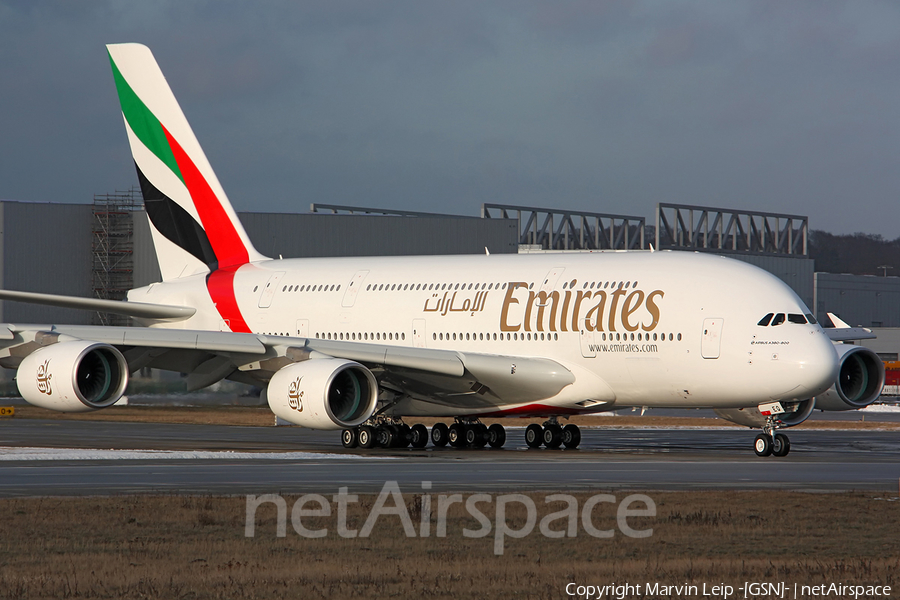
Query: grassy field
(195, 547)
(263, 417)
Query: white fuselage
(635, 328)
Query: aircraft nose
(818, 362)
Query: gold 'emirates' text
(631, 309)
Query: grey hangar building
(102, 249)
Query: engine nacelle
(74, 376)
(323, 393)
(795, 413)
(860, 380)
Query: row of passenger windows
(772, 319)
(402, 287)
(618, 337)
(480, 337)
(361, 336)
(378, 287)
(310, 288)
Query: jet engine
(859, 383)
(73, 376)
(323, 393)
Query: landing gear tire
(418, 436)
(476, 435)
(571, 436)
(534, 435)
(350, 438)
(403, 436)
(496, 435)
(552, 436)
(781, 445)
(763, 445)
(456, 435)
(386, 436)
(482, 440)
(439, 435)
(366, 436)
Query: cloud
(595, 105)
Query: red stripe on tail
(224, 238)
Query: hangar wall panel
(309, 235)
(46, 248)
(146, 267)
(887, 344)
(863, 300)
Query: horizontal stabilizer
(139, 310)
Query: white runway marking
(81, 454)
(881, 408)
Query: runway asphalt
(257, 460)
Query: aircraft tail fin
(194, 226)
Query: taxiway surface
(239, 460)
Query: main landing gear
(771, 443)
(468, 434)
(388, 432)
(393, 433)
(552, 435)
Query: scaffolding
(702, 228)
(552, 229)
(112, 249)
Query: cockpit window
(799, 319)
(764, 322)
(811, 319)
(778, 320)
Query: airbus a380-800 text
(364, 345)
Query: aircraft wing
(848, 334)
(452, 378)
(842, 332)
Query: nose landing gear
(771, 443)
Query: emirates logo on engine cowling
(295, 395)
(43, 378)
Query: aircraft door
(418, 333)
(588, 350)
(303, 328)
(353, 289)
(551, 279)
(710, 343)
(268, 292)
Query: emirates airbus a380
(366, 345)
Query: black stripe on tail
(175, 223)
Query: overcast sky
(607, 106)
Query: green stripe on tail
(143, 123)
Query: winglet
(842, 332)
(837, 322)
